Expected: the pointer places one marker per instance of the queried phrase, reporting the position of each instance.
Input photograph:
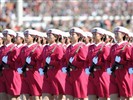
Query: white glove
(19, 70)
(71, 59)
(28, 60)
(109, 71)
(48, 59)
(4, 59)
(64, 70)
(95, 60)
(41, 71)
(87, 71)
(118, 59)
(130, 70)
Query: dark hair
(125, 37)
(22, 39)
(34, 38)
(80, 39)
(58, 38)
(37, 39)
(13, 40)
(90, 40)
(103, 38)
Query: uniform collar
(52, 44)
(19, 45)
(74, 44)
(30, 45)
(121, 42)
(1, 45)
(59, 43)
(98, 43)
(88, 44)
(8, 44)
(44, 45)
(68, 44)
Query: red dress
(76, 83)
(99, 84)
(122, 82)
(11, 77)
(54, 82)
(32, 82)
(2, 84)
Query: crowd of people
(56, 61)
(74, 65)
(43, 8)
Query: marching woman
(39, 39)
(54, 78)
(63, 40)
(120, 56)
(98, 83)
(109, 38)
(75, 57)
(88, 39)
(20, 45)
(68, 40)
(44, 39)
(19, 40)
(12, 80)
(3, 95)
(31, 79)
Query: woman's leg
(92, 97)
(25, 96)
(3, 96)
(69, 97)
(46, 96)
(114, 97)
(101, 98)
(35, 98)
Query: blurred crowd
(75, 8)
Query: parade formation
(73, 65)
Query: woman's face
(28, 38)
(44, 40)
(97, 37)
(63, 40)
(19, 40)
(119, 36)
(87, 39)
(74, 37)
(107, 39)
(51, 38)
(7, 37)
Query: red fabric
(123, 80)
(55, 82)
(18, 62)
(32, 83)
(99, 85)
(76, 83)
(12, 80)
(2, 83)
